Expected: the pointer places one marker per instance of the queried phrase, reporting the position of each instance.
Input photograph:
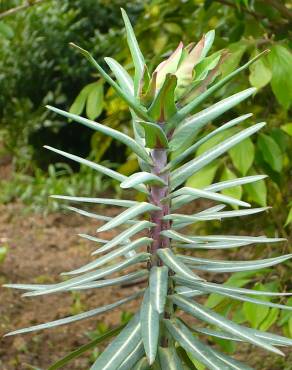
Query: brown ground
(41, 247)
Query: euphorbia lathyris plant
(167, 133)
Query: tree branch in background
(25, 5)
(282, 9)
(232, 5)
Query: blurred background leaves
(38, 67)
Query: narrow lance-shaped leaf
(133, 357)
(141, 178)
(137, 108)
(209, 39)
(185, 220)
(125, 235)
(170, 259)
(217, 288)
(111, 201)
(229, 361)
(149, 319)
(192, 125)
(158, 285)
(98, 240)
(209, 316)
(90, 276)
(232, 266)
(81, 316)
(123, 138)
(256, 301)
(184, 199)
(191, 344)
(94, 215)
(104, 170)
(96, 284)
(205, 138)
(124, 79)
(181, 174)
(110, 256)
(209, 195)
(189, 108)
(214, 238)
(120, 348)
(128, 214)
(137, 56)
(274, 339)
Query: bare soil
(40, 248)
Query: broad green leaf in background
(238, 279)
(289, 218)
(79, 103)
(255, 313)
(6, 30)
(271, 152)
(236, 52)
(94, 104)
(270, 319)
(204, 177)
(280, 59)
(257, 191)
(235, 191)
(242, 155)
(287, 128)
(260, 73)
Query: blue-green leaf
(141, 178)
(123, 138)
(149, 318)
(81, 316)
(158, 285)
(128, 214)
(97, 167)
(181, 174)
(90, 276)
(137, 56)
(112, 255)
(120, 348)
(191, 344)
(124, 79)
(211, 317)
(170, 260)
(123, 236)
(192, 125)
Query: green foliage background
(38, 67)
